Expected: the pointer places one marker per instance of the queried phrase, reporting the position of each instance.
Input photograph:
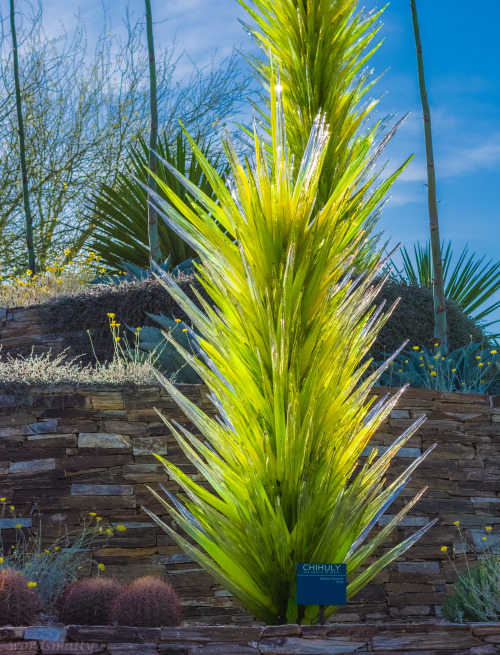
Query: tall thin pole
(22, 147)
(154, 241)
(440, 326)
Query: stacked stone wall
(65, 452)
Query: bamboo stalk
(440, 325)
(22, 148)
(154, 241)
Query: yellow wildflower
(416, 347)
(92, 514)
(1, 560)
(444, 549)
(101, 567)
(433, 373)
(31, 585)
(67, 251)
(19, 526)
(117, 338)
(184, 330)
(488, 528)
(484, 538)
(28, 272)
(121, 528)
(493, 352)
(456, 522)
(46, 551)
(2, 500)
(453, 370)
(478, 357)
(177, 320)
(98, 518)
(481, 364)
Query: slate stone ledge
(339, 639)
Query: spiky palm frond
(120, 212)
(322, 48)
(281, 354)
(470, 280)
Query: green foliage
(280, 353)
(120, 211)
(89, 601)
(470, 369)
(19, 604)
(50, 567)
(147, 603)
(476, 595)
(322, 49)
(469, 281)
(157, 344)
(413, 319)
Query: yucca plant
(322, 48)
(280, 352)
(120, 212)
(470, 280)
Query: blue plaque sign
(321, 584)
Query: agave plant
(280, 352)
(322, 48)
(120, 212)
(470, 281)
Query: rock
(298, 646)
(32, 466)
(45, 633)
(150, 445)
(103, 440)
(102, 489)
(11, 523)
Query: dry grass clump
(20, 373)
(65, 276)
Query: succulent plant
(148, 603)
(166, 356)
(19, 602)
(89, 601)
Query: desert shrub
(18, 374)
(64, 276)
(89, 309)
(19, 601)
(476, 595)
(147, 602)
(89, 601)
(471, 369)
(413, 319)
(49, 567)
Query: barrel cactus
(148, 603)
(19, 601)
(89, 601)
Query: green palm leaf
(280, 351)
(471, 280)
(120, 212)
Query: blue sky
(461, 63)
